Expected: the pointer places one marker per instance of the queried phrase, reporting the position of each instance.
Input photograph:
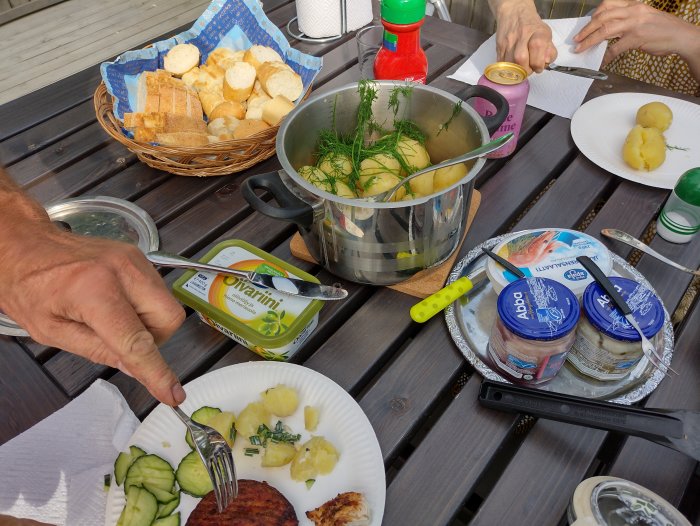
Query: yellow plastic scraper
(430, 306)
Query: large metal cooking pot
(377, 243)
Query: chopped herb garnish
(310, 483)
(250, 451)
(670, 147)
(108, 480)
(278, 435)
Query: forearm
(691, 51)
(501, 8)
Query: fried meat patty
(257, 504)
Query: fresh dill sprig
(456, 110)
(669, 147)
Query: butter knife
(621, 304)
(579, 72)
(291, 286)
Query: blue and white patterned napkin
(236, 24)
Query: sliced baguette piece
(280, 79)
(224, 58)
(145, 134)
(184, 139)
(238, 82)
(274, 110)
(211, 78)
(210, 100)
(133, 120)
(257, 55)
(191, 77)
(254, 113)
(181, 59)
(248, 127)
(228, 108)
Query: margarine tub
(549, 253)
(270, 323)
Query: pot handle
(291, 209)
(493, 122)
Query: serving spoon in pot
(473, 154)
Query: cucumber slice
(163, 497)
(141, 508)
(170, 520)
(153, 471)
(192, 476)
(201, 416)
(166, 509)
(124, 461)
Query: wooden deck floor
(58, 41)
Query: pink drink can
(510, 80)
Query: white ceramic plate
(360, 467)
(600, 126)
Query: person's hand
(521, 35)
(96, 298)
(636, 25)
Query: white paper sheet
(551, 91)
(54, 472)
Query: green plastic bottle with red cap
(401, 56)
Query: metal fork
(217, 458)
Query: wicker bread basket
(219, 158)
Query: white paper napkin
(551, 91)
(321, 18)
(54, 472)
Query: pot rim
(359, 202)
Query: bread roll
(238, 81)
(228, 108)
(280, 79)
(191, 77)
(211, 78)
(182, 139)
(254, 113)
(257, 55)
(181, 59)
(249, 127)
(275, 109)
(222, 56)
(210, 100)
(223, 125)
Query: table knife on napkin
(292, 286)
(578, 72)
(621, 304)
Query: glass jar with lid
(607, 347)
(612, 501)
(534, 329)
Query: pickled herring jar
(534, 329)
(607, 347)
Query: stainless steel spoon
(477, 152)
(619, 235)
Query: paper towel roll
(321, 18)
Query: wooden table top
(448, 460)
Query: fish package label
(234, 24)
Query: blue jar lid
(538, 309)
(604, 316)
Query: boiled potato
(445, 177)
(379, 173)
(644, 149)
(413, 154)
(326, 182)
(316, 457)
(336, 164)
(655, 115)
(278, 454)
(311, 415)
(224, 423)
(422, 185)
(280, 400)
(251, 418)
